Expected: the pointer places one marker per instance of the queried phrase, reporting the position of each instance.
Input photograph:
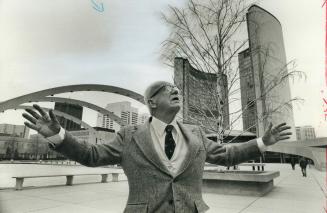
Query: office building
(70, 109)
(143, 118)
(248, 96)
(261, 67)
(305, 133)
(124, 110)
(14, 130)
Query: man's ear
(152, 104)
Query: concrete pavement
(292, 193)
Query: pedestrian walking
(293, 163)
(303, 165)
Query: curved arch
(302, 150)
(12, 103)
(58, 113)
(84, 104)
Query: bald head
(162, 99)
(153, 89)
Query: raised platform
(254, 183)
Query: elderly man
(163, 159)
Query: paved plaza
(292, 193)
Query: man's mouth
(175, 99)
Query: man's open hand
(41, 122)
(273, 135)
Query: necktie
(169, 142)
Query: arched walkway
(42, 96)
(12, 103)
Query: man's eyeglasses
(169, 88)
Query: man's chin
(176, 104)
(176, 107)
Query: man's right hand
(41, 122)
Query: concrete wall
(199, 90)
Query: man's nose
(175, 91)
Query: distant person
(303, 165)
(293, 163)
(163, 159)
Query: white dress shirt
(158, 134)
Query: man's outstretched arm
(62, 141)
(232, 154)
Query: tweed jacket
(151, 186)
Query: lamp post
(37, 147)
(12, 153)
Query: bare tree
(209, 34)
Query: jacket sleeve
(92, 155)
(230, 154)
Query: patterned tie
(169, 142)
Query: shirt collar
(160, 126)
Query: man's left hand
(275, 134)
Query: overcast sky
(46, 43)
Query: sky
(47, 44)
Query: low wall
(254, 183)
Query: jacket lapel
(193, 147)
(144, 141)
